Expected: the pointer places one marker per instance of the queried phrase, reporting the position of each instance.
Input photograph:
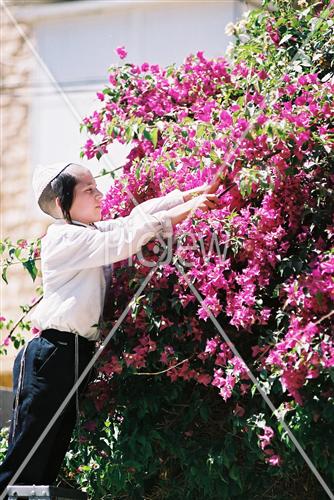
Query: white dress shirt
(73, 256)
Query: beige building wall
(17, 220)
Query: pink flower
(225, 392)
(263, 74)
(22, 243)
(114, 366)
(303, 80)
(226, 119)
(2, 318)
(35, 330)
(112, 80)
(209, 304)
(262, 119)
(212, 345)
(100, 95)
(6, 341)
(167, 354)
(239, 410)
(90, 426)
(274, 460)
(234, 108)
(265, 439)
(121, 52)
(165, 323)
(204, 378)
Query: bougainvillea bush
(173, 412)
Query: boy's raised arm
(82, 248)
(172, 199)
(150, 207)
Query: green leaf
(291, 171)
(234, 473)
(154, 137)
(110, 128)
(203, 411)
(147, 134)
(129, 133)
(253, 390)
(215, 158)
(107, 91)
(4, 274)
(200, 130)
(30, 266)
(151, 135)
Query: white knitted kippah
(44, 174)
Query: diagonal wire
(257, 384)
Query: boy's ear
(58, 202)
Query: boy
(74, 252)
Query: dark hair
(63, 187)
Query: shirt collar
(76, 223)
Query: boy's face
(86, 206)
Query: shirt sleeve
(152, 206)
(76, 248)
(166, 202)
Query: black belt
(53, 335)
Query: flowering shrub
(173, 411)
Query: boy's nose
(99, 194)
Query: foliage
(262, 264)
(23, 252)
(3, 442)
(173, 411)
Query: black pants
(43, 374)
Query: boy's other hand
(204, 189)
(204, 201)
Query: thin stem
(163, 371)
(23, 316)
(18, 262)
(324, 317)
(108, 172)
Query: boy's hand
(206, 188)
(205, 202)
